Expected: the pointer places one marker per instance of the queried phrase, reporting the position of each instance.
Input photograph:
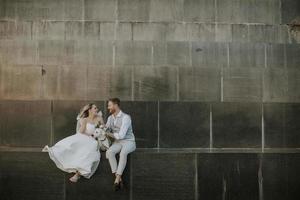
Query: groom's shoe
(116, 186)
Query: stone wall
(212, 87)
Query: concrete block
(242, 84)
(104, 10)
(133, 10)
(293, 55)
(74, 30)
(91, 30)
(166, 11)
(209, 54)
(275, 55)
(21, 82)
(48, 30)
(199, 84)
(289, 11)
(275, 85)
(155, 83)
(104, 82)
(176, 32)
(201, 32)
(73, 10)
(39, 10)
(149, 31)
(246, 54)
(93, 52)
(115, 31)
(147, 172)
(19, 128)
(240, 33)
(178, 53)
(223, 33)
(245, 125)
(175, 124)
(72, 82)
(133, 53)
(199, 11)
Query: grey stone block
(199, 84)
(21, 82)
(74, 30)
(209, 54)
(39, 10)
(268, 33)
(255, 11)
(116, 31)
(7, 10)
(133, 53)
(166, 11)
(147, 172)
(246, 54)
(201, 32)
(293, 55)
(30, 175)
(177, 32)
(240, 32)
(50, 30)
(280, 176)
(53, 52)
(275, 85)
(245, 125)
(276, 55)
(155, 83)
(159, 53)
(281, 126)
(23, 52)
(73, 9)
(91, 30)
(104, 82)
(242, 84)
(104, 10)
(69, 85)
(223, 33)
(289, 11)
(133, 10)
(293, 84)
(199, 11)
(25, 123)
(178, 53)
(233, 176)
(51, 80)
(93, 52)
(15, 30)
(149, 31)
(176, 129)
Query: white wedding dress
(78, 152)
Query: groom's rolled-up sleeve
(126, 122)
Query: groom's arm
(126, 122)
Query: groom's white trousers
(124, 147)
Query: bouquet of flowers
(100, 135)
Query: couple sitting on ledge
(79, 153)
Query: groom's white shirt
(121, 125)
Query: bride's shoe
(45, 149)
(74, 178)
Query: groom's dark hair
(115, 100)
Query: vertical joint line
(196, 176)
(210, 128)
(262, 129)
(158, 126)
(265, 51)
(222, 88)
(177, 84)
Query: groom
(124, 142)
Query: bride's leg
(75, 178)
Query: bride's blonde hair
(84, 111)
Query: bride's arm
(82, 128)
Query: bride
(79, 153)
